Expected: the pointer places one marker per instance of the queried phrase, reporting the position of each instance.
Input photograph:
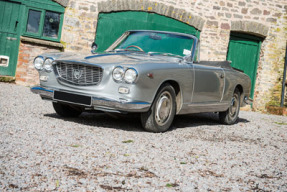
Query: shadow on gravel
(194, 120)
(129, 122)
(132, 122)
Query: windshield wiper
(121, 50)
(164, 54)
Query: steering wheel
(134, 47)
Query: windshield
(156, 42)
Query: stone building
(251, 34)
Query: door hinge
(11, 38)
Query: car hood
(120, 58)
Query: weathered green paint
(244, 52)
(48, 5)
(13, 21)
(43, 6)
(9, 34)
(113, 25)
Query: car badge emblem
(78, 73)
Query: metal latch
(4, 61)
(11, 38)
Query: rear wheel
(66, 110)
(161, 114)
(230, 116)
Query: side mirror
(94, 48)
(186, 58)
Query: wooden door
(243, 52)
(9, 36)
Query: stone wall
(271, 64)
(26, 74)
(79, 25)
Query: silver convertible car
(156, 74)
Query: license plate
(72, 98)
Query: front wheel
(66, 110)
(161, 114)
(230, 116)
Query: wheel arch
(177, 89)
(240, 88)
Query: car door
(208, 84)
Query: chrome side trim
(204, 107)
(207, 104)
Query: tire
(66, 110)
(161, 114)
(230, 116)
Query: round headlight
(130, 75)
(118, 73)
(38, 63)
(48, 64)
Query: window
(43, 24)
(51, 25)
(33, 21)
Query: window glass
(51, 24)
(158, 42)
(34, 18)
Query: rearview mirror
(94, 48)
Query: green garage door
(113, 25)
(9, 37)
(243, 51)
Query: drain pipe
(284, 79)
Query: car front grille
(78, 74)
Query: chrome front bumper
(102, 104)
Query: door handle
(221, 75)
(16, 25)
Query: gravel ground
(40, 151)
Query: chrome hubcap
(233, 106)
(163, 108)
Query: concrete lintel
(250, 27)
(41, 42)
(64, 3)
